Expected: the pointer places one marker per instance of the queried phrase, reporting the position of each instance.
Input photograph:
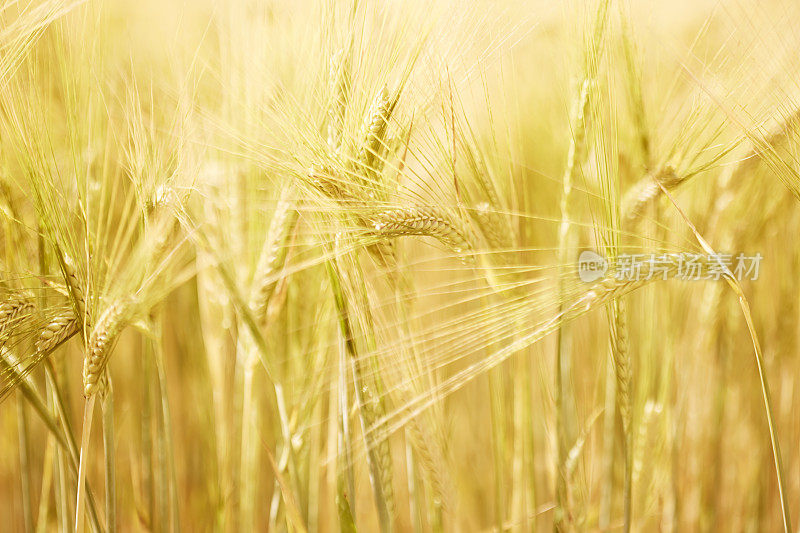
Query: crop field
(399, 266)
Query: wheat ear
(105, 332)
(11, 310)
(59, 329)
(426, 221)
(75, 288)
(494, 226)
(622, 366)
(374, 131)
(371, 410)
(623, 374)
(645, 192)
(648, 189)
(339, 80)
(273, 254)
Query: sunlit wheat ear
(432, 461)
(622, 363)
(370, 154)
(326, 181)
(56, 331)
(371, 409)
(339, 80)
(647, 191)
(623, 375)
(426, 221)
(75, 288)
(12, 309)
(493, 226)
(98, 349)
(273, 254)
(371, 162)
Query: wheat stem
(107, 409)
(376, 453)
(80, 498)
(24, 463)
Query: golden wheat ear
(426, 221)
(98, 348)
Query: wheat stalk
(576, 156)
(370, 408)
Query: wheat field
(361, 265)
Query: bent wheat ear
(108, 327)
(58, 330)
(324, 180)
(11, 310)
(647, 190)
(494, 226)
(425, 221)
